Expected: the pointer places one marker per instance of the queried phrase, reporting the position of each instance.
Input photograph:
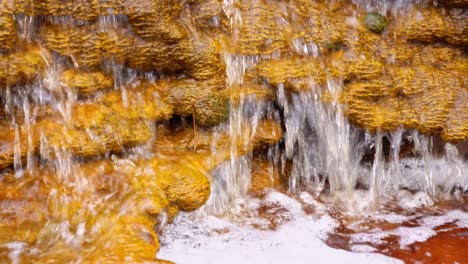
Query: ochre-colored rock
(115, 232)
(210, 16)
(431, 24)
(259, 33)
(375, 22)
(263, 177)
(111, 124)
(200, 57)
(116, 135)
(94, 140)
(418, 97)
(8, 36)
(145, 101)
(456, 128)
(135, 192)
(206, 101)
(165, 26)
(185, 183)
(80, 44)
(86, 83)
(296, 74)
(148, 56)
(80, 9)
(119, 230)
(21, 67)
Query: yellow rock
(8, 37)
(185, 183)
(130, 239)
(259, 33)
(147, 56)
(206, 101)
(109, 125)
(263, 176)
(164, 26)
(456, 128)
(413, 75)
(297, 74)
(86, 83)
(21, 67)
(200, 57)
(210, 16)
(432, 24)
(81, 44)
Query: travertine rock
(81, 44)
(295, 73)
(21, 67)
(78, 152)
(155, 55)
(8, 37)
(185, 184)
(258, 33)
(419, 97)
(433, 24)
(86, 83)
(119, 199)
(155, 19)
(210, 16)
(263, 177)
(206, 101)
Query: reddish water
(448, 245)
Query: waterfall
(118, 116)
(324, 148)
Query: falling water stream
(323, 146)
(84, 169)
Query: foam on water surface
(300, 238)
(244, 235)
(298, 241)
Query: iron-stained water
(325, 152)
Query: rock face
(108, 106)
(388, 80)
(114, 202)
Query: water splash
(325, 150)
(327, 154)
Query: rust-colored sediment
(444, 248)
(412, 75)
(448, 245)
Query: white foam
(299, 240)
(296, 242)
(309, 200)
(410, 235)
(362, 248)
(392, 218)
(375, 237)
(425, 229)
(410, 201)
(285, 201)
(299, 237)
(458, 217)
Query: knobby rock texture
(89, 85)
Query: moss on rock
(375, 22)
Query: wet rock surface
(114, 112)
